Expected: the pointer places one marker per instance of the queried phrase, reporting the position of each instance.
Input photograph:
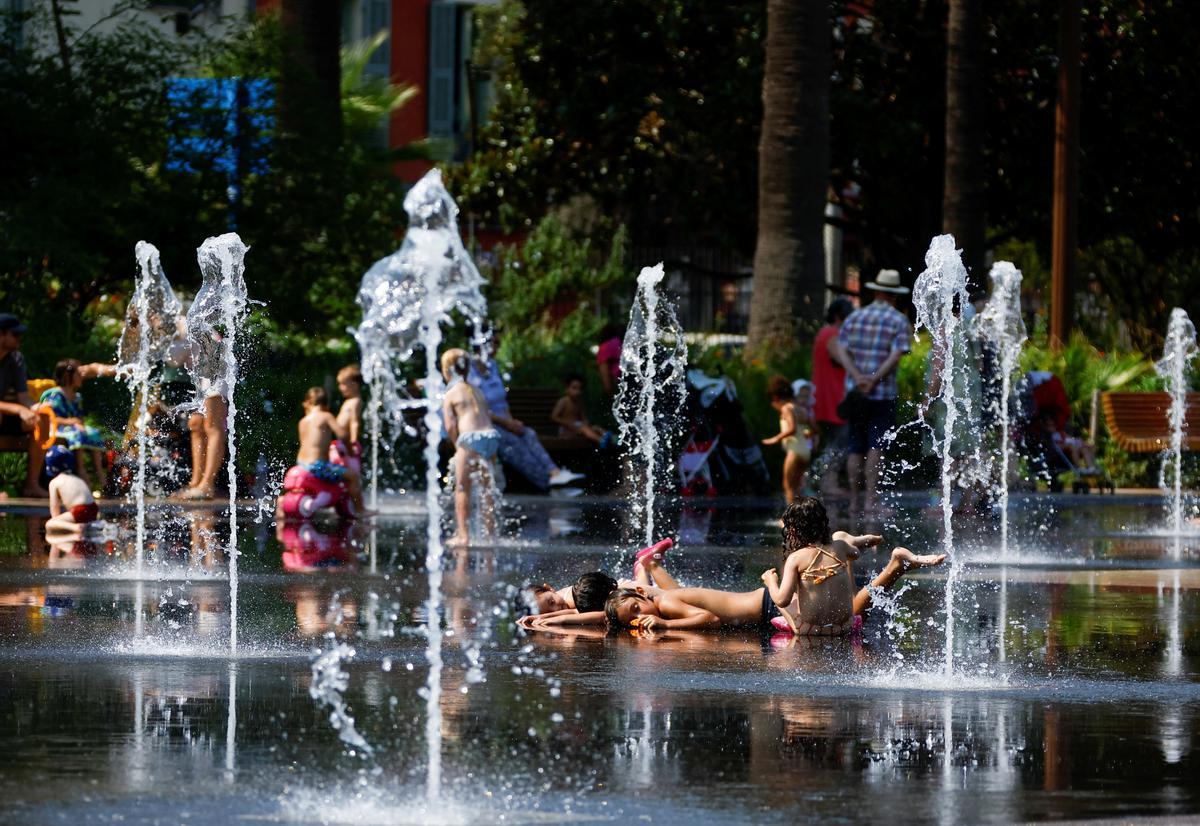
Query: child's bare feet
(457, 541)
(908, 560)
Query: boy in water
(318, 429)
(469, 426)
(71, 503)
(348, 450)
(571, 416)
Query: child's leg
(64, 522)
(486, 501)
(652, 569)
(215, 411)
(354, 488)
(462, 494)
(199, 448)
(902, 561)
(793, 475)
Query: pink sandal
(655, 552)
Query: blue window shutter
(442, 19)
(376, 16)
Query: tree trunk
(793, 175)
(964, 200)
(310, 102)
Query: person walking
(829, 388)
(869, 346)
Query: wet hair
(64, 370)
(455, 362)
(780, 388)
(316, 397)
(570, 377)
(839, 310)
(351, 373)
(592, 590)
(805, 523)
(614, 602)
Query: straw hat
(888, 281)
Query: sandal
(655, 552)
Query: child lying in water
(816, 598)
(582, 603)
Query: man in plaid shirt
(869, 346)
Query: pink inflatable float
(305, 494)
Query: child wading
(71, 502)
(318, 429)
(795, 433)
(469, 426)
(347, 449)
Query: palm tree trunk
(793, 174)
(964, 198)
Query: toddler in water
(795, 432)
(348, 450)
(571, 416)
(71, 503)
(469, 426)
(318, 429)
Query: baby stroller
(1045, 440)
(720, 453)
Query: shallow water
(1079, 696)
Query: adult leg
(523, 455)
(901, 561)
(871, 473)
(854, 475)
(33, 469)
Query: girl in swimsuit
(816, 596)
(795, 434)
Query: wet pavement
(1077, 694)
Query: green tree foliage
(652, 108)
(630, 129)
(85, 177)
(549, 302)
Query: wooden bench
(533, 407)
(1139, 422)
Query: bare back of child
(816, 594)
(317, 430)
(71, 502)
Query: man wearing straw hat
(869, 346)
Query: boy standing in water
(318, 429)
(469, 426)
(71, 503)
(348, 450)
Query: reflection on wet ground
(1080, 699)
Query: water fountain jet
(649, 379)
(213, 322)
(938, 296)
(150, 322)
(1179, 350)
